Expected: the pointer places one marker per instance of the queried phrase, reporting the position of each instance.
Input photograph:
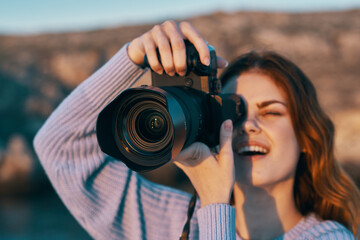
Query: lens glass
(144, 124)
(151, 125)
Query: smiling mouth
(252, 151)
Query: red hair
(321, 186)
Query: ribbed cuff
(217, 221)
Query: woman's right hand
(169, 37)
(213, 176)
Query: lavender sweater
(112, 202)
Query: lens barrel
(143, 124)
(143, 127)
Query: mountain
(38, 71)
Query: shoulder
(320, 229)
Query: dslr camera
(146, 127)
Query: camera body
(148, 126)
(198, 76)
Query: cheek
(286, 145)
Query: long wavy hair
(321, 186)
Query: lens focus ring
(147, 126)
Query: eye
(272, 113)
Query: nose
(250, 126)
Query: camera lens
(144, 125)
(152, 125)
(147, 127)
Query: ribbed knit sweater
(112, 202)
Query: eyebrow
(267, 103)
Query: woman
(278, 164)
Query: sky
(40, 16)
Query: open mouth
(252, 151)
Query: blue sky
(37, 16)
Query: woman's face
(265, 147)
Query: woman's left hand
(212, 176)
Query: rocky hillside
(37, 72)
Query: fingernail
(226, 64)
(181, 73)
(206, 61)
(228, 124)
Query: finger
(177, 45)
(163, 44)
(150, 50)
(226, 152)
(193, 154)
(215, 155)
(136, 51)
(221, 62)
(195, 38)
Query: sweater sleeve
(107, 199)
(217, 221)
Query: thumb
(221, 62)
(193, 155)
(226, 152)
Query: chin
(262, 180)
(263, 173)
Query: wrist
(205, 201)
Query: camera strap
(191, 208)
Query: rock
(16, 167)
(349, 44)
(347, 135)
(74, 67)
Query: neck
(265, 212)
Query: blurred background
(48, 47)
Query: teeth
(252, 149)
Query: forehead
(255, 86)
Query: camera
(146, 127)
